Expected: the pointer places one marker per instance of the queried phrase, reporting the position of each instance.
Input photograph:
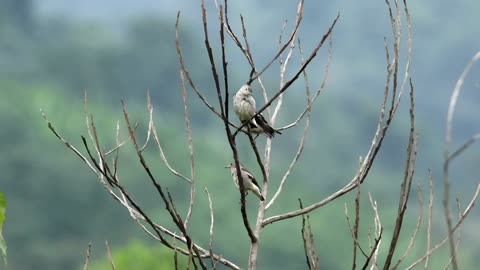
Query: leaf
(3, 244)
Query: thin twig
(302, 140)
(415, 231)
(109, 254)
(378, 233)
(189, 78)
(350, 227)
(320, 89)
(150, 122)
(356, 226)
(190, 148)
(406, 185)
(374, 251)
(292, 37)
(447, 157)
(87, 257)
(463, 216)
(210, 241)
(283, 66)
(308, 242)
(430, 216)
(464, 146)
(159, 145)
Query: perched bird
(245, 108)
(249, 182)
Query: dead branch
(458, 224)
(415, 231)
(447, 157)
(190, 148)
(87, 257)
(407, 181)
(430, 216)
(109, 254)
(297, 74)
(320, 88)
(382, 126)
(210, 242)
(308, 243)
(304, 136)
(378, 235)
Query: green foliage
(56, 206)
(136, 255)
(3, 244)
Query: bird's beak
(226, 167)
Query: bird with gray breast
(249, 181)
(245, 108)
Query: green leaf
(3, 244)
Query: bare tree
(397, 80)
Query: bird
(249, 181)
(245, 108)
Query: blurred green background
(52, 52)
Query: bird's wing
(262, 118)
(251, 177)
(253, 124)
(267, 129)
(254, 181)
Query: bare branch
(87, 257)
(352, 231)
(378, 234)
(210, 242)
(374, 251)
(302, 140)
(169, 206)
(110, 258)
(447, 157)
(189, 78)
(463, 216)
(407, 181)
(175, 259)
(464, 146)
(245, 49)
(430, 215)
(415, 231)
(284, 64)
(355, 228)
(308, 243)
(320, 89)
(292, 37)
(358, 178)
(160, 147)
(67, 144)
(190, 148)
(102, 171)
(150, 122)
(211, 57)
(295, 77)
(377, 140)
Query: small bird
(249, 181)
(245, 108)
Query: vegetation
(56, 207)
